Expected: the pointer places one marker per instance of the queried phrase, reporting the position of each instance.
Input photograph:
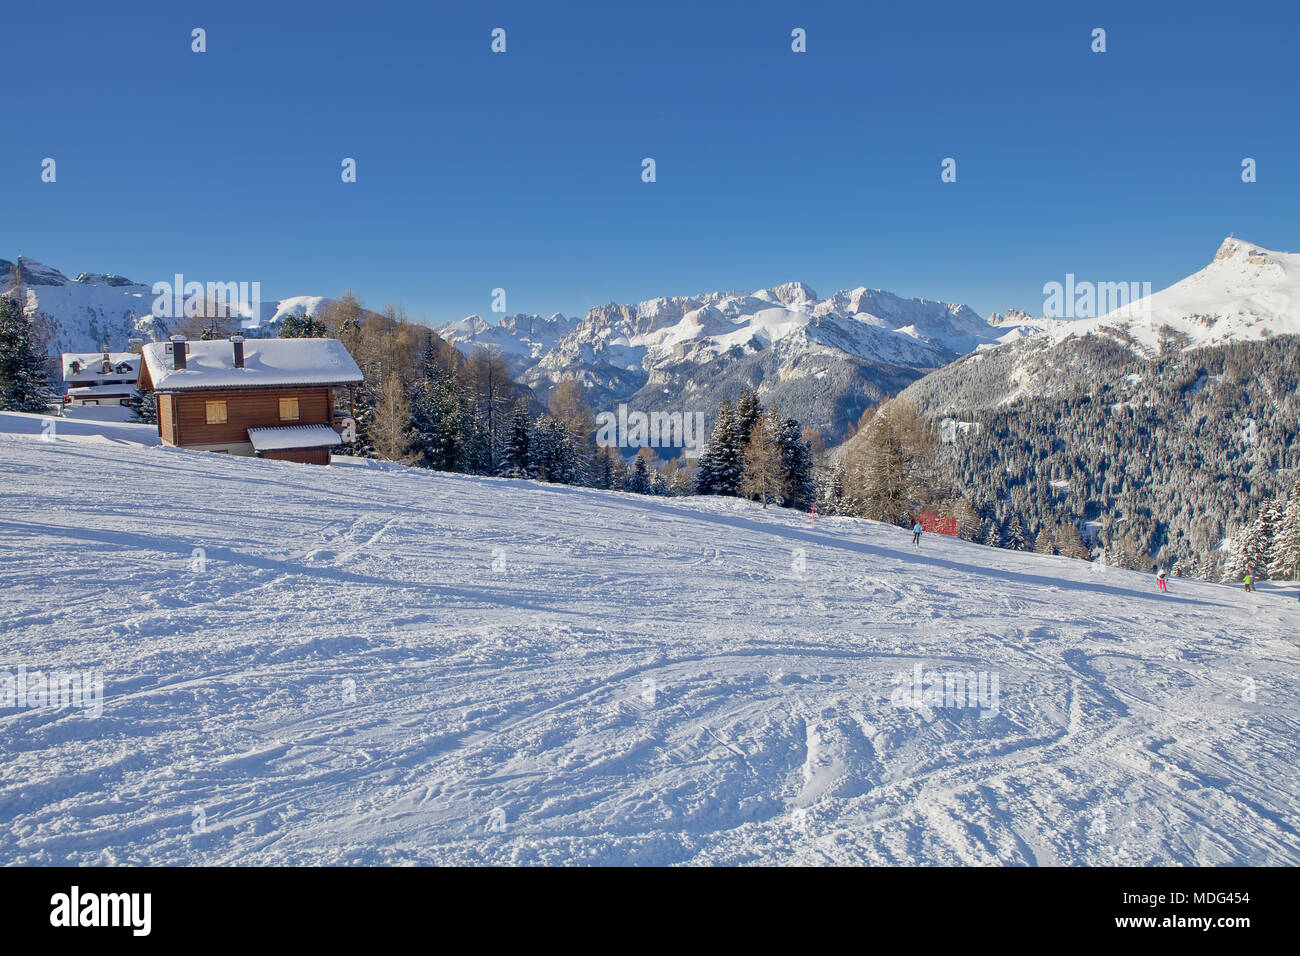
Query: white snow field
(371, 664)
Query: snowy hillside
(95, 310)
(370, 664)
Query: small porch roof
(280, 437)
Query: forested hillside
(1165, 456)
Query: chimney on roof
(238, 342)
(178, 351)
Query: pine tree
(748, 411)
(1256, 543)
(639, 483)
(1069, 543)
(1286, 541)
(1270, 520)
(553, 456)
(796, 465)
(440, 420)
(604, 471)
(1234, 565)
(24, 378)
(302, 327)
(146, 407)
(517, 461)
(721, 465)
(1014, 537)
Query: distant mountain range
(820, 360)
(97, 310)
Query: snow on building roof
(293, 436)
(91, 364)
(267, 362)
(82, 391)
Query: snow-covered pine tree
(1014, 536)
(440, 420)
(553, 457)
(796, 465)
(1270, 520)
(302, 327)
(24, 378)
(518, 456)
(1234, 563)
(748, 411)
(720, 465)
(1256, 543)
(146, 407)
(830, 489)
(1286, 541)
(639, 482)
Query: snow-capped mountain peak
(1246, 292)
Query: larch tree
(493, 393)
(889, 465)
(763, 478)
(391, 425)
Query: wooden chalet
(274, 398)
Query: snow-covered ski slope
(370, 664)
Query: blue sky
(523, 170)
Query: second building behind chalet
(274, 398)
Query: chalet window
(216, 413)
(288, 409)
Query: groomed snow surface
(372, 664)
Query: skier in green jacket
(1249, 581)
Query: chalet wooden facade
(274, 398)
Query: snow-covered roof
(91, 364)
(293, 436)
(125, 388)
(267, 362)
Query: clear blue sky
(523, 170)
